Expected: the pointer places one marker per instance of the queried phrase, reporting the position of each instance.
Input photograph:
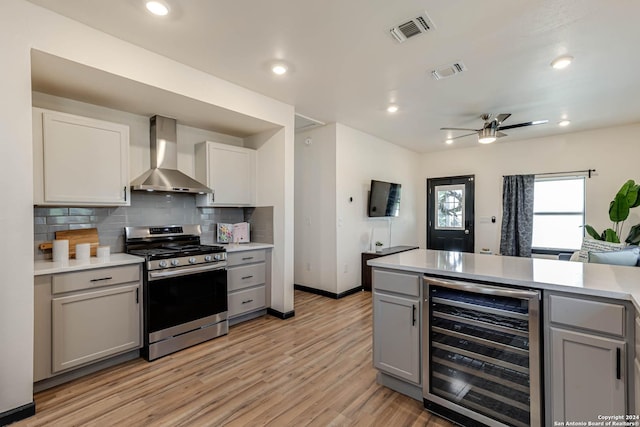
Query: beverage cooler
(481, 353)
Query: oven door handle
(157, 275)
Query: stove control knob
(219, 257)
(175, 262)
(207, 258)
(192, 260)
(163, 264)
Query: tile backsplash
(146, 209)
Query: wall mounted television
(384, 199)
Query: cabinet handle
(101, 279)
(413, 314)
(137, 297)
(247, 301)
(213, 196)
(247, 258)
(247, 277)
(125, 193)
(618, 363)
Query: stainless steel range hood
(164, 174)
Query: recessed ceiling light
(392, 108)
(562, 62)
(157, 8)
(564, 123)
(449, 141)
(279, 69)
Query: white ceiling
(345, 67)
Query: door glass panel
(449, 207)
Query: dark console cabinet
(366, 256)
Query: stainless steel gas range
(185, 287)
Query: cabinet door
(396, 336)
(91, 325)
(85, 161)
(230, 173)
(587, 376)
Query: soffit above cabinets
(60, 77)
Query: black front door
(450, 204)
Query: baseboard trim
(281, 315)
(17, 414)
(327, 293)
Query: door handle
(466, 231)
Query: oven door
(182, 296)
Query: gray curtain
(517, 215)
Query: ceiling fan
(492, 127)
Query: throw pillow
(597, 246)
(624, 257)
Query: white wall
(331, 229)
(315, 208)
(25, 26)
(361, 158)
(612, 152)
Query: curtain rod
(587, 171)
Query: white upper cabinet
(229, 171)
(79, 160)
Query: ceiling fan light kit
(487, 135)
(562, 62)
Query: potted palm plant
(626, 198)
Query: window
(450, 207)
(558, 214)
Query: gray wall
(146, 209)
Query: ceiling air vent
(449, 70)
(414, 27)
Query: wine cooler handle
(618, 363)
(478, 288)
(413, 313)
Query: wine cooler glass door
(481, 355)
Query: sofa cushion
(591, 245)
(627, 257)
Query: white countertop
(239, 247)
(49, 267)
(593, 279)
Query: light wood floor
(313, 369)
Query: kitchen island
(572, 338)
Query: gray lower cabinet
(589, 367)
(247, 284)
(396, 325)
(86, 316)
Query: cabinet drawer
(245, 276)
(402, 283)
(87, 279)
(586, 314)
(245, 257)
(246, 300)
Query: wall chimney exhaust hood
(164, 174)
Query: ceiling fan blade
(474, 130)
(500, 134)
(502, 117)
(462, 136)
(520, 125)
